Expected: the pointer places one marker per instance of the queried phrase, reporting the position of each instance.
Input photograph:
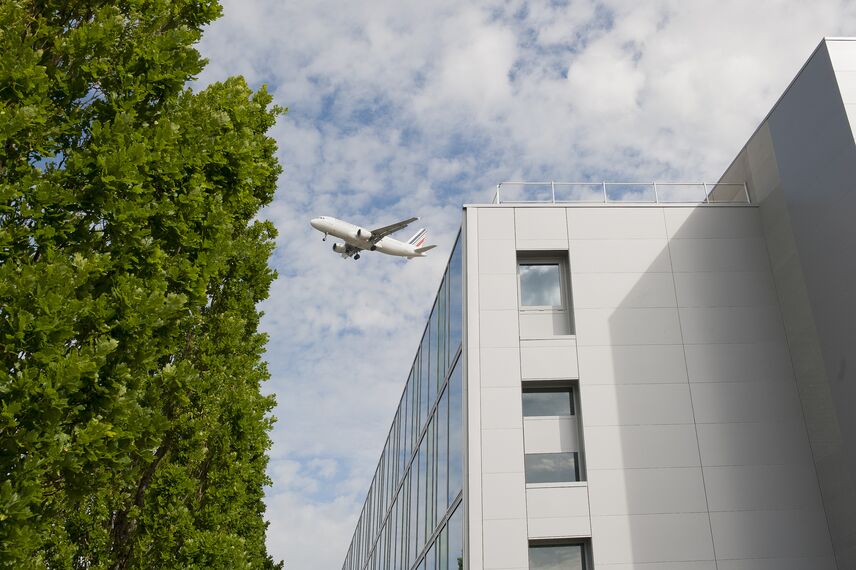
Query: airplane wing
(381, 233)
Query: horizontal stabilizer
(424, 249)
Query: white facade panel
(730, 402)
(770, 534)
(727, 289)
(498, 329)
(541, 225)
(739, 362)
(500, 367)
(495, 224)
(650, 364)
(847, 85)
(618, 223)
(619, 256)
(762, 487)
(794, 563)
(552, 434)
(731, 324)
(549, 359)
(701, 222)
(722, 254)
(641, 447)
(505, 544)
(498, 292)
(783, 443)
(651, 538)
(544, 324)
(502, 496)
(629, 290)
(637, 404)
(627, 326)
(683, 565)
(558, 512)
(501, 408)
(618, 492)
(497, 257)
(502, 451)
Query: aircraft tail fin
(418, 238)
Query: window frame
(584, 544)
(577, 471)
(544, 259)
(551, 386)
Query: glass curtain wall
(412, 517)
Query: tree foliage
(133, 433)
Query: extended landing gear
(356, 256)
(324, 238)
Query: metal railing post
(656, 197)
(553, 190)
(605, 197)
(704, 189)
(746, 191)
(498, 199)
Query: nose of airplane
(315, 222)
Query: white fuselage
(361, 238)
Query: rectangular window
(455, 553)
(557, 557)
(541, 284)
(551, 467)
(456, 432)
(557, 401)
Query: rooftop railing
(621, 193)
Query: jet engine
(339, 247)
(364, 234)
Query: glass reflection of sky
(567, 557)
(547, 403)
(550, 467)
(539, 285)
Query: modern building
(623, 376)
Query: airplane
(358, 239)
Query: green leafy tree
(133, 432)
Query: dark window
(548, 402)
(557, 557)
(551, 467)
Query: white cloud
(402, 108)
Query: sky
(402, 108)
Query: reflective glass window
(455, 295)
(456, 540)
(556, 557)
(424, 378)
(412, 529)
(439, 357)
(556, 401)
(456, 432)
(540, 285)
(443, 549)
(551, 467)
(430, 481)
(431, 558)
(421, 519)
(442, 420)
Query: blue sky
(401, 108)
